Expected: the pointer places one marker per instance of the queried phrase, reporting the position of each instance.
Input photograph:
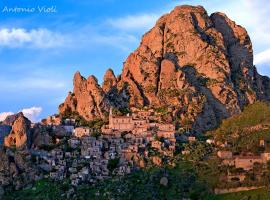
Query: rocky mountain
(199, 68)
(19, 132)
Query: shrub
(112, 164)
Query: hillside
(244, 131)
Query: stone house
(156, 144)
(246, 162)
(82, 131)
(74, 142)
(139, 130)
(57, 153)
(166, 127)
(123, 123)
(166, 134)
(54, 120)
(225, 154)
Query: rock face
(199, 66)
(19, 132)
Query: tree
(112, 164)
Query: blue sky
(40, 52)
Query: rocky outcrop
(16, 169)
(87, 98)
(9, 121)
(109, 81)
(199, 67)
(19, 132)
(41, 136)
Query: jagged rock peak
(109, 80)
(87, 98)
(92, 80)
(12, 118)
(78, 77)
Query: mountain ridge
(199, 66)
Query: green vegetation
(80, 121)
(259, 194)
(143, 184)
(48, 147)
(172, 92)
(199, 150)
(254, 114)
(207, 82)
(96, 134)
(121, 111)
(43, 189)
(244, 131)
(150, 89)
(162, 110)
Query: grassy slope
(43, 189)
(260, 194)
(253, 115)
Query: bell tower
(111, 118)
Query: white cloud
(262, 57)
(32, 113)
(34, 38)
(4, 115)
(134, 22)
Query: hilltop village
(124, 144)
